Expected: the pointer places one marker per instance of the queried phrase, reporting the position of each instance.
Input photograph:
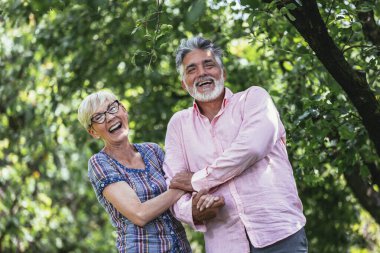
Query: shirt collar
(227, 96)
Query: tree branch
(330, 10)
(357, 46)
(375, 173)
(310, 25)
(363, 187)
(364, 192)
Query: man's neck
(210, 109)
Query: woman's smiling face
(110, 123)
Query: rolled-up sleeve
(175, 161)
(257, 136)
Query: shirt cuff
(199, 180)
(186, 213)
(183, 211)
(199, 227)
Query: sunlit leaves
(54, 54)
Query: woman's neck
(125, 153)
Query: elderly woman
(129, 182)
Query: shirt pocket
(226, 130)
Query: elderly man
(234, 146)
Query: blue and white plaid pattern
(163, 234)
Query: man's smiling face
(203, 77)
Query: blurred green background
(54, 53)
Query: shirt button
(102, 185)
(172, 232)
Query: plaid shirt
(164, 233)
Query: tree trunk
(364, 193)
(310, 25)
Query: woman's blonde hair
(90, 105)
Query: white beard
(207, 96)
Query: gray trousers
(296, 243)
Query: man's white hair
(188, 45)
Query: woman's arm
(125, 200)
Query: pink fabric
(242, 156)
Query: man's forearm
(182, 181)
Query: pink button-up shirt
(240, 155)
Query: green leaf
(196, 10)
(366, 7)
(284, 10)
(299, 2)
(356, 26)
(290, 16)
(251, 3)
(291, 6)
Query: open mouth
(205, 82)
(114, 127)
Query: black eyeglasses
(101, 116)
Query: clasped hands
(204, 205)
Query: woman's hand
(203, 200)
(206, 201)
(205, 206)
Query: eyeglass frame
(104, 113)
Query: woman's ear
(93, 133)
(125, 110)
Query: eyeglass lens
(101, 117)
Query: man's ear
(183, 85)
(224, 74)
(93, 133)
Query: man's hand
(182, 181)
(208, 213)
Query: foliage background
(54, 53)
